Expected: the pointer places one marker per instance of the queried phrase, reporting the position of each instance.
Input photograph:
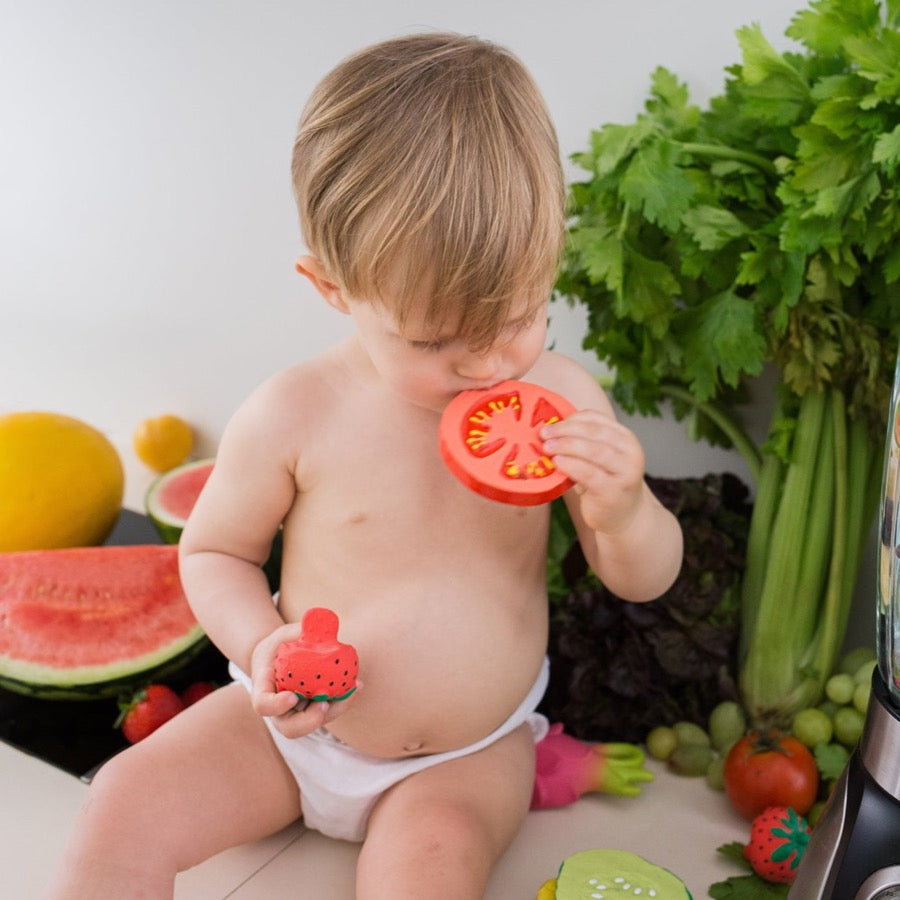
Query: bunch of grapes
(838, 720)
(689, 749)
(830, 730)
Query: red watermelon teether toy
(317, 666)
(490, 440)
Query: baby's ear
(310, 267)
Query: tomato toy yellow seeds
(490, 440)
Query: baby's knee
(122, 795)
(453, 834)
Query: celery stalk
(765, 507)
(770, 668)
(798, 619)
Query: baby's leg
(439, 833)
(208, 779)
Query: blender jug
(888, 585)
(854, 850)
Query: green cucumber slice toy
(611, 875)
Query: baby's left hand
(606, 462)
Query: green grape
(861, 696)
(848, 725)
(690, 734)
(661, 741)
(863, 675)
(691, 759)
(851, 663)
(839, 688)
(715, 773)
(727, 723)
(811, 727)
(815, 813)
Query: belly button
(413, 746)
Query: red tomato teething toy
(317, 666)
(490, 440)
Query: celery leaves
(762, 229)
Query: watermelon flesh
(83, 622)
(171, 497)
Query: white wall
(147, 234)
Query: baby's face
(430, 371)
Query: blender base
(854, 850)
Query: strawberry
(317, 666)
(147, 710)
(778, 838)
(196, 691)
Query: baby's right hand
(292, 716)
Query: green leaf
(773, 89)
(654, 184)
(613, 143)
(712, 227)
(735, 852)
(747, 887)
(831, 759)
(825, 25)
(669, 101)
(887, 148)
(876, 59)
(722, 342)
(892, 265)
(851, 198)
(648, 292)
(600, 253)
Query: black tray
(78, 735)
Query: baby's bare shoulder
(570, 379)
(294, 393)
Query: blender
(854, 850)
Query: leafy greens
(763, 230)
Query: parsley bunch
(763, 229)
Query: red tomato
(490, 440)
(769, 768)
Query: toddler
(431, 198)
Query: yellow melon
(61, 482)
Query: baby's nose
(480, 366)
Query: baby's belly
(437, 673)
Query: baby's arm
(632, 542)
(228, 537)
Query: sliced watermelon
(171, 497)
(86, 622)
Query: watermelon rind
(169, 525)
(98, 682)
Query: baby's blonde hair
(427, 176)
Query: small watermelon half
(88, 622)
(171, 497)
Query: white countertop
(676, 822)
